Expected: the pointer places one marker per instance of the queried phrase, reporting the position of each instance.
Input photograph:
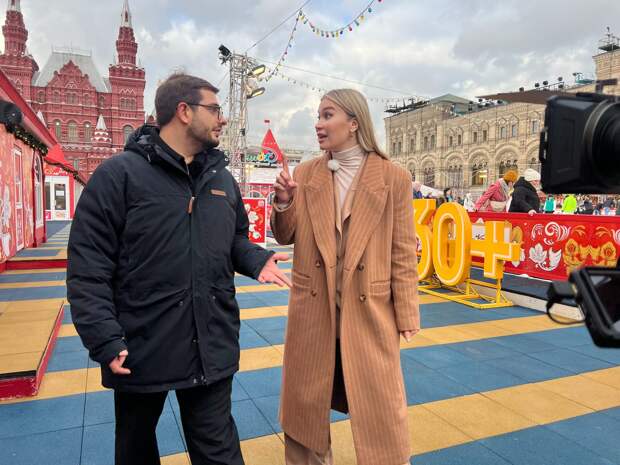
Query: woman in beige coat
(349, 214)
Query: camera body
(580, 153)
(580, 145)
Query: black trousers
(210, 430)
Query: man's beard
(203, 138)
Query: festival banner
(552, 246)
(257, 216)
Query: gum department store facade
(470, 151)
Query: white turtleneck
(349, 162)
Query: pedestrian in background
(549, 204)
(569, 206)
(495, 198)
(525, 197)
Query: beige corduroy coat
(379, 299)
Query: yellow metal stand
(465, 295)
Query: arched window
(41, 96)
(425, 142)
(71, 98)
(58, 130)
(429, 176)
(432, 141)
(450, 141)
(88, 132)
(412, 144)
(86, 99)
(515, 130)
(479, 174)
(127, 130)
(459, 140)
(56, 97)
(101, 101)
(72, 131)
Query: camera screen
(608, 291)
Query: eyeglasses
(213, 108)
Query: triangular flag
(270, 145)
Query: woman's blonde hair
(355, 105)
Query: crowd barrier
(554, 245)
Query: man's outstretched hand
(272, 274)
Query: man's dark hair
(178, 88)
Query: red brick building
(72, 95)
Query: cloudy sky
(403, 48)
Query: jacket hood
(525, 184)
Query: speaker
(10, 114)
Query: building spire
(14, 30)
(126, 15)
(101, 124)
(14, 6)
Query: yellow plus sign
(494, 249)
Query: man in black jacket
(158, 234)
(525, 196)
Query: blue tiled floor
(541, 446)
(431, 373)
(30, 293)
(37, 253)
(31, 278)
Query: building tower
(16, 63)
(127, 80)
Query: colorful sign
(270, 153)
(257, 216)
(447, 249)
(554, 245)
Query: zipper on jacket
(190, 207)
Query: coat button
(318, 264)
(313, 293)
(362, 298)
(361, 267)
(181, 303)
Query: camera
(580, 153)
(580, 145)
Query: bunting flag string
(289, 44)
(336, 33)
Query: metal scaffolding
(243, 71)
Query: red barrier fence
(554, 245)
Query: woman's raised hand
(284, 186)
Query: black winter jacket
(524, 197)
(152, 271)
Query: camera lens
(603, 127)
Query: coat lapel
(368, 207)
(320, 204)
